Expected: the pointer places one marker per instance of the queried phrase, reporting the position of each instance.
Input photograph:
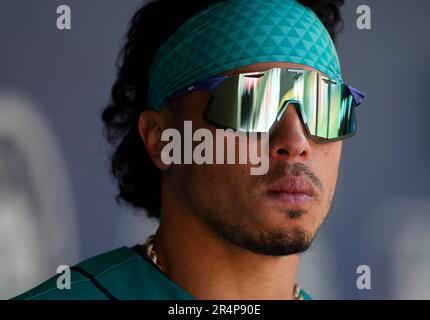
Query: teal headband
(232, 33)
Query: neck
(210, 267)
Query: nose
(288, 138)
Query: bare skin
(194, 198)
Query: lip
(292, 191)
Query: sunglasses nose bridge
(284, 107)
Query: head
(249, 211)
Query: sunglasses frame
(211, 84)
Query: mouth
(292, 191)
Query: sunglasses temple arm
(201, 85)
(207, 84)
(357, 94)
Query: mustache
(281, 169)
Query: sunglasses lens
(328, 110)
(253, 102)
(246, 102)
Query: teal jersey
(121, 274)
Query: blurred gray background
(57, 201)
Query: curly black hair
(139, 180)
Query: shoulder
(305, 295)
(86, 278)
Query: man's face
(275, 214)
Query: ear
(151, 125)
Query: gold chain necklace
(150, 251)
